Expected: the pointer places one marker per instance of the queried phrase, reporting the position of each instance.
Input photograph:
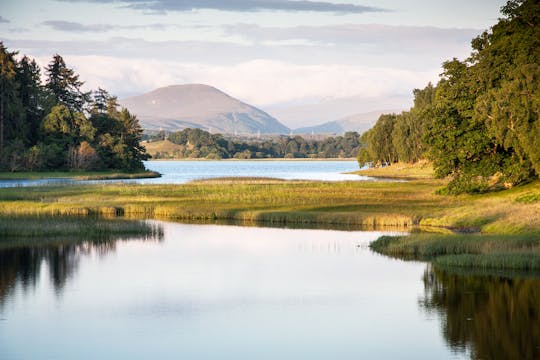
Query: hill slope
(356, 122)
(200, 106)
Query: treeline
(197, 143)
(56, 125)
(480, 124)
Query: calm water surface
(177, 172)
(230, 292)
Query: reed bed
(87, 228)
(511, 252)
(276, 201)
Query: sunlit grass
(276, 201)
(512, 252)
(77, 227)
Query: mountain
(356, 122)
(200, 106)
(311, 112)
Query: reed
(511, 252)
(87, 228)
(407, 204)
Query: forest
(197, 143)
(56, 125)
(479, 124)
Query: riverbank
(78, 175)
(406, 204)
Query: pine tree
(64, 85)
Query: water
(230, 292)
(178, 172)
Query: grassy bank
(499, 252)
(354, 203)
(46, 230)
(77, 175)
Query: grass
(419, 170)
(164, 147)
(77, 175)
(87, 227)
(509, 221)
(499, 252)
(405, 204)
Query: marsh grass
(85, 228)
(403, 204)
(513, 252)
(78, 175)
(510, 261)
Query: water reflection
(489, 317)
(21, 267)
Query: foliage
(197, 143)
(480, 125)
(56, 125)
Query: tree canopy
(56, 125)
(480, 124)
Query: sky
(303, 61)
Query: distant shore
(78, 175)
(259, 159)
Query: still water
(178, 172)
(231, 292)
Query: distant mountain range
(178, 107)
(356, 122)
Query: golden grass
(420, 170)
(161, 146)
(274, 201)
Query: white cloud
(260, 82)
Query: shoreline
(76, 175)
(261, 159)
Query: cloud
(396, 49)
(70, 26)
(260, 82)
(3, 20)
(240, 5)
(376, 35)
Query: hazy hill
(200, 106)
(356, 122)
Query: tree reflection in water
(21, 266)
(491, 317)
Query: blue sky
(303, 61)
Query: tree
(380, 145)
(31, 95)
(64, 85)
(9, 102)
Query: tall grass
(513, 252)
(403, 204)
(87, 228)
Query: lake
(233, 292)
(178, 172)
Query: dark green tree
(64, 85)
